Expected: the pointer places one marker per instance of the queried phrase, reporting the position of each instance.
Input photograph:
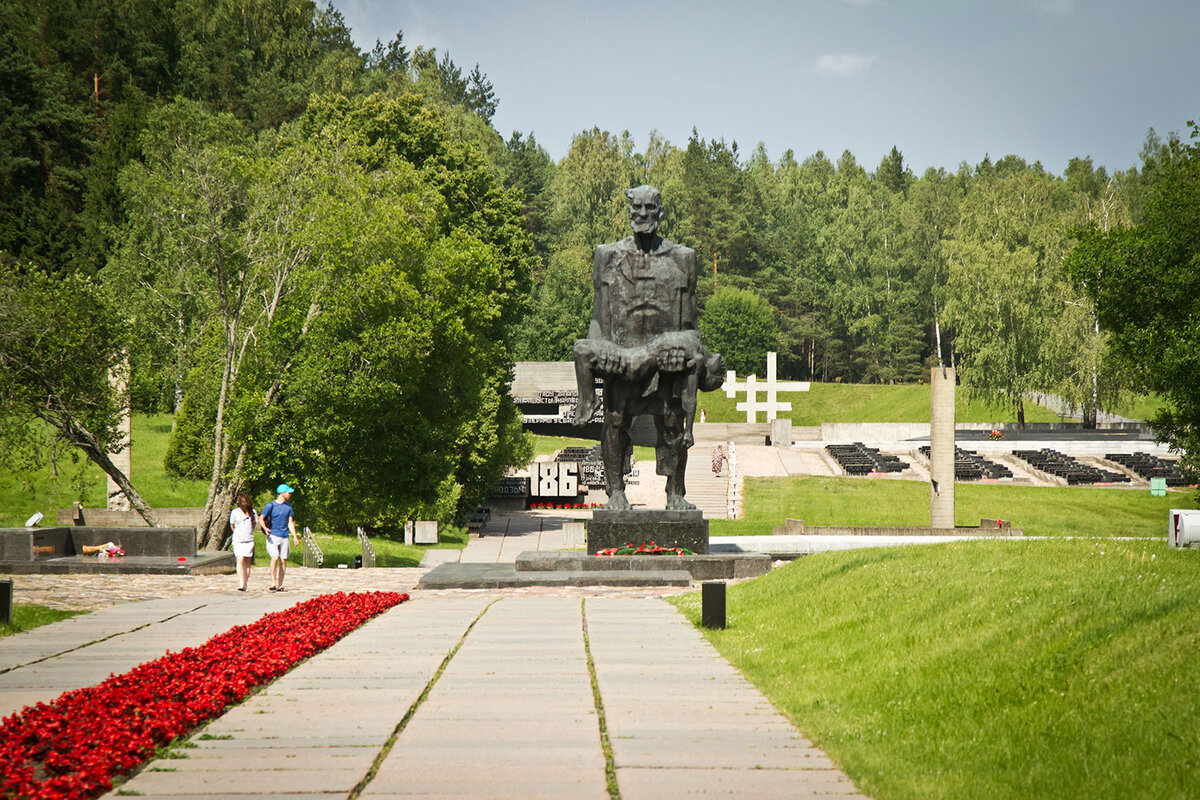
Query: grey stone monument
(644, 344)
(941, 447)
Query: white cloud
(843, 65)
(858, 2)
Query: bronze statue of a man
(643, 341)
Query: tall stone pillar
(941, 447)
(118, 377)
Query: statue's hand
(674, 359)
(613, 361)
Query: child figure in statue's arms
(672, 352)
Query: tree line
(305, 252)
(851, 273)
(324, 261)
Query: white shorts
(279, 548)
(243, 549)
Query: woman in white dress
(241, 521)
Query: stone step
(704, 490)
(700, 567)
(204, 563)
(806, 433)
(506, 576)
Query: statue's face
(643, 213)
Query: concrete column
(118, 377)
(941, 447)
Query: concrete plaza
(452, 694)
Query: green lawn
(339, 549)
(23, 494)
(1039, 511)
(151, 433)
(1143, 407)
(845, 402)
(992, 669)
(549, 445)
(27, 616)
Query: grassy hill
(994, 669)
(1038, 510)
(844, 402)
(22, 493)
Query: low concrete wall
(738, 432)
(101, 517)
(842, 432)
(906, 530)
(986, 527)
(873, 431)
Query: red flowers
(75, 746)
(651, 549)
(564, 506)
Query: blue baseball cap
(283, 487)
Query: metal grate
(313, 557)
(368, 552)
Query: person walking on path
(241, 522)
(718, 460)
(278, 522)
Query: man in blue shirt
(279, 525)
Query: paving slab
(696, 726)
(25, 648)
(295, 726)
(540, 639)
(662, 783)
(511, 716)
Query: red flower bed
(75, 746)
(565, 506)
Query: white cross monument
(772, 387)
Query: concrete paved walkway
(477, 695)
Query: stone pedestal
(665, 528)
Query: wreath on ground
(651, 549)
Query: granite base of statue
(643, 343)
(686, 529)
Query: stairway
(705, 490)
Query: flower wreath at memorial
(76, 745)
(565, 506)
(651, 549)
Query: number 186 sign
(554, 479)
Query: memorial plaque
(426, 532)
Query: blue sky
(944, 81)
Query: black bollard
(357, 562)
(712, 604)
(6, 604)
